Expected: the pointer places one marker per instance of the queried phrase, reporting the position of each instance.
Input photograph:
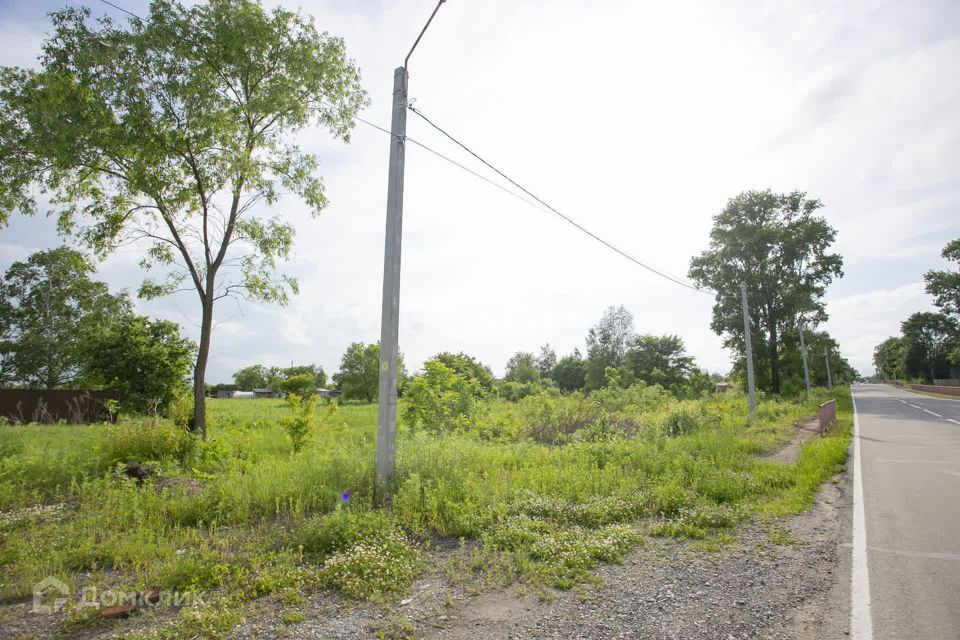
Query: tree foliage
(570, 372)
(944, 286)
(929, 339)
(779, 247)
(255, 376)
(607, 343)
(146, 361)
(522, 367)
(659, 360)
(170, 132)
(443, 400)
(49, 309)
(468, 367)
(889, 357)
(546, 361)
(359, 374)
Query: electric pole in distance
(826, 358)
(390, 317)
(803, 352)
(747, 340)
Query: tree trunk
(200, 369)
(774, 359)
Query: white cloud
(637, 119)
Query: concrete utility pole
(390, 317)
(748, 342)
(803, 352)
(826, 358)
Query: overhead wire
(560, 214)
(534, 201)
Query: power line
(609, 245)
(536, 200)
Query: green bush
(367, 556)
(146, 442)
(322, 536)
(551, 418)
(682, 418)
(441, 400)
(302, 419)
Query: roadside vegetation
(537, 492)
(928, 347)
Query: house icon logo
(49, 596)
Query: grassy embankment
(548, 488)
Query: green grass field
(240, 516)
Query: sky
(638, 120)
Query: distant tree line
(928, 346)
(59, 328)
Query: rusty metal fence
(828, 415)
(76, 406)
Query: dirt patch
(804, 430)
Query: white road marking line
(861, 624)
(915, 406)
(932, 413)
(953, 421)
(933, 555)
(952, 473)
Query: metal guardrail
(828, 415)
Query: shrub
(441, 400)
(553, 417)
(321, 537)
(146, 442)
(301, 422)
(682, 418)
(367, 556)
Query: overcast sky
(639, 120)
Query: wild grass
(546, 489)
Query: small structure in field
(266, 393)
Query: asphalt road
(909, 465)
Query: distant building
(722, 386)
(224, 393)
(329, 393)
(266, 393)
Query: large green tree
(607, 343)
(780, 248)
(147, 361)
(929, 339)
(256, 376)
(944, 286)
(889, 357)
(359, 374)
(659, 360)
(171, 131)
(49, 309)
(546, 361)
(468, 367)
(570, 372)
(522, 367)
